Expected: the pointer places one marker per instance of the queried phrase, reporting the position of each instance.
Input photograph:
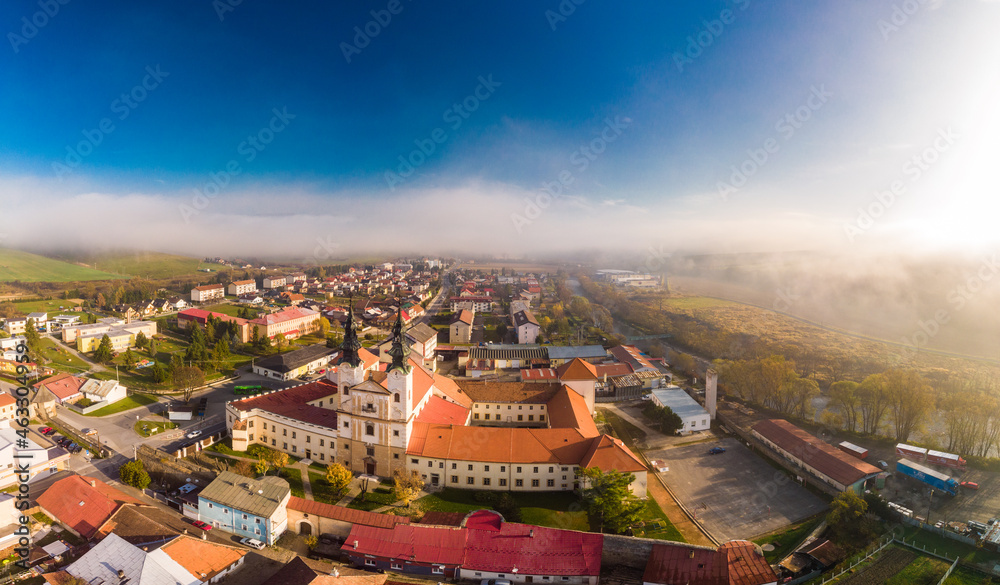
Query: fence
(939, 531)
(858, 560)
(948, 572)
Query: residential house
(275, 281)
(122, 337)
(16, 325)
(58, 322)
(178, 304)
(82, 504)
(8, 407)
(252, 299)
(109, 391)
(460, 330)
(242, 287)
(292, 298)
(64, 387)
(291, 365)
(526, 326)
(207, 292)
(40, 320)
(518, 305)
(200, 316)
(301, 571)
(246, 507)
(291, 322)
(477, 304)
(490, 357)
(183, 560)
(35, 458)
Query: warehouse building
(694, 416)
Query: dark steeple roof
(350, 345)
(400, 350)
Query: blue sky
(646, 126)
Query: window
(346, 391)
(369, 429)
(210, 504)
(284, 446)
(519, 483)
(486, 481)
(294, 449)
(395, 565)
(395, 455)
(520, 407)
(541, 417)
(476, 416)
(437, 569)
(321, 442)
(503, 482)
(470, 480)
(370, 451)
(321, 403)
(454, 465)
(395, 397)
(531, 417)
(454, 479)
(508, 407)
(284, 432)
(565, 468)
(470, 467)
(244, 526)
(536, 470)
(321, 457)
(564, 478)
(415, 461)
(250, 424)
(370, 562)
(265, 426)
(244, 517)
(346, 425)
(487, 407)
(551, 469)
(256, 531)
(274, 443)
(441, 465)
(307, 438)
(293, 434)
(519, 469)
(551, 483)
(534, 483)
(531, 408)
(430, 464)
(251, 436)
(520, 417)
(395, 433)
(486, 468)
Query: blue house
(246, 507)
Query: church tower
(351, 371)
(400, 380)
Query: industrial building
(693, 415)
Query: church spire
(400, 350)
(350, 345)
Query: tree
(261, 465)
(278, 459)
(664, 418)
(101, 301)
(221, 352)
(848, 520)
(873, 401)
(910, 400)
(255, 336)
(324, 326)
(609, 501)
(140, 340)
(8, 310)
(151, 347)
(244, 468)
(408, 485)
(844, 397)
(104, 352)
(339, 478)
(34, 342)
(129, 358)
(159, 373)
(134, 474)
(187, 378)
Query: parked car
(51, 431)
(883, 465)
(970, 484)
(202, 525)
(193, 434)
(716, 450)
(495, 582)
(70, 447)
(45, 430)
(252, 543)
(77, 448)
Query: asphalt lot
(736, 494)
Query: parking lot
(736, 494)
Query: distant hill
(28, 267)
(153, 265)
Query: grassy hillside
(147, 264)
(27, 267)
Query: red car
(202, 525)
(970, 484)
(45, 430)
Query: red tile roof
(607, 452)
(498, 546)
(443, 518)
(290, 396)
(631, 355)
(568, 410)
(498, 444)
(815, 453)
(201, 316)
(577, 369)
(440, 411)
(670, 563)
(63, 386)
(83, 507)
(451, 391)
(514, 392)
(547, 374)
(428, 544)
(209, 287)
(334, 512)
(746, 566)
(7, 400)
(613, 370)
(465, 316)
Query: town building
(630, 354)
(312, 517)
(737, 562)
(460, 330)
(692, 414)
(526, 326)
(200, 316)
(108, 391)
(254, 508)
(122, 337)
(275, 281)
(242, 287)
(65, 388)
(561, 354)
(83, 504)
(294, 364)
(816, 458)
(207, 292)
(487, 358)
(16, 325)
(482, 547)
(181, 561)
(40, 320)
(292, 322)
(476, 304)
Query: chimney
(93, 483)
(121, 574)
(691, 554)
(355, 545)
(531, 533)
(711, 391)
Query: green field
(61, 358)
(127, 403)
(294, 477)
(149, 264)
(382, 495)
(27, 267)
(228, 309)
(50, 306)
(321, 489)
